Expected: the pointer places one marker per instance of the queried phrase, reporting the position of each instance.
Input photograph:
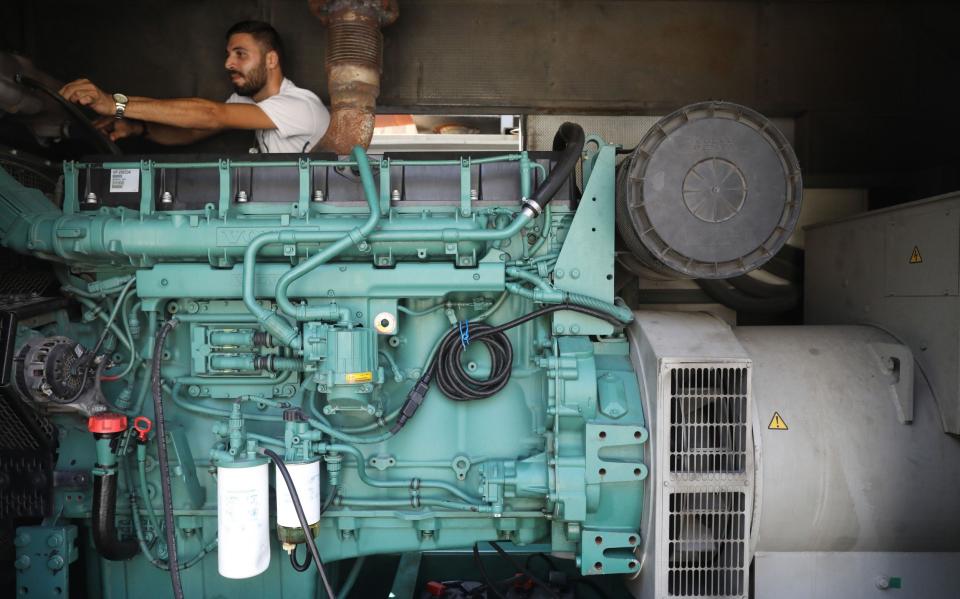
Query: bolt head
(55, 563)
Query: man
(285, 117)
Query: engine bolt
(241, 197)
(91, 199)
(317, 195)
(166, 198)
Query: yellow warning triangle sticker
(915, 257)
(777, 423)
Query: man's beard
(253, 81)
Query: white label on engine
(124, 180)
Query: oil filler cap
(107, 423)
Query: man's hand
(85, 93)
(118, 128)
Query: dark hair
(264, 33)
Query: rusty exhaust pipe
(353, 64)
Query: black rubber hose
(741, 302)
(569, 139)
(105, 537)
(163, 456)
(298, 507)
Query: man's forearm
(175, 136)
(182, 113)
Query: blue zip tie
(464, 327)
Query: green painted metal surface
(43, 558)
(556, 459)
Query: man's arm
(162, 134)
(203, 117)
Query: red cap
(436, 589)
(107, 422)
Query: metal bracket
(608, 552)
(590, 272)
(896, 363)
(44, 554)
(608, 451)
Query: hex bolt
(91, 199)
(395, 195)
(317, 195)
(55, 563)
(166, 198)
(242, 197)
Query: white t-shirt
(300, 117)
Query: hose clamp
(531, 208)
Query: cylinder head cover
(712, 191)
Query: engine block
(350, 317)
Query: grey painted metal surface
(898, 269)
(693, 506)
(856, 575)
(846, 474)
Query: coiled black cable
(454, 381)
(164, 458)
(457, 384)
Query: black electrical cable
(457, 384)
(454, 381)
(298, 507)
(526, 572)
(483, 572)
(309, 558)
(164, 458)
(297, 565)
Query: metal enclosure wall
(898, 269)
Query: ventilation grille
(708, 420)
(705, 494)
(707, 544)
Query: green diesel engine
(429, 352)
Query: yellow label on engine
(359, 377)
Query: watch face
(119, 98)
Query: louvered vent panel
(706, 463)
(707, 544)
(708, 420)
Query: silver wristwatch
(121, 102)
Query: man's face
(246, 64)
